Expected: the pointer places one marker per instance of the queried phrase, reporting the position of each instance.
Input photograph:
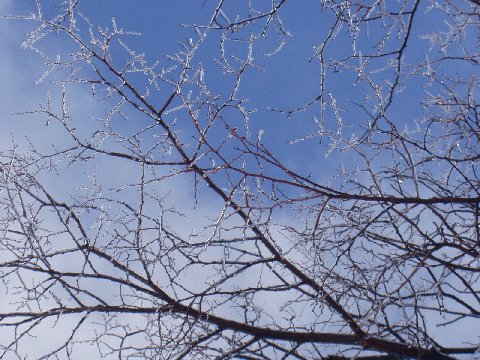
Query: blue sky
(288, 79)
(285, 80)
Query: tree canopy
(241, 179)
